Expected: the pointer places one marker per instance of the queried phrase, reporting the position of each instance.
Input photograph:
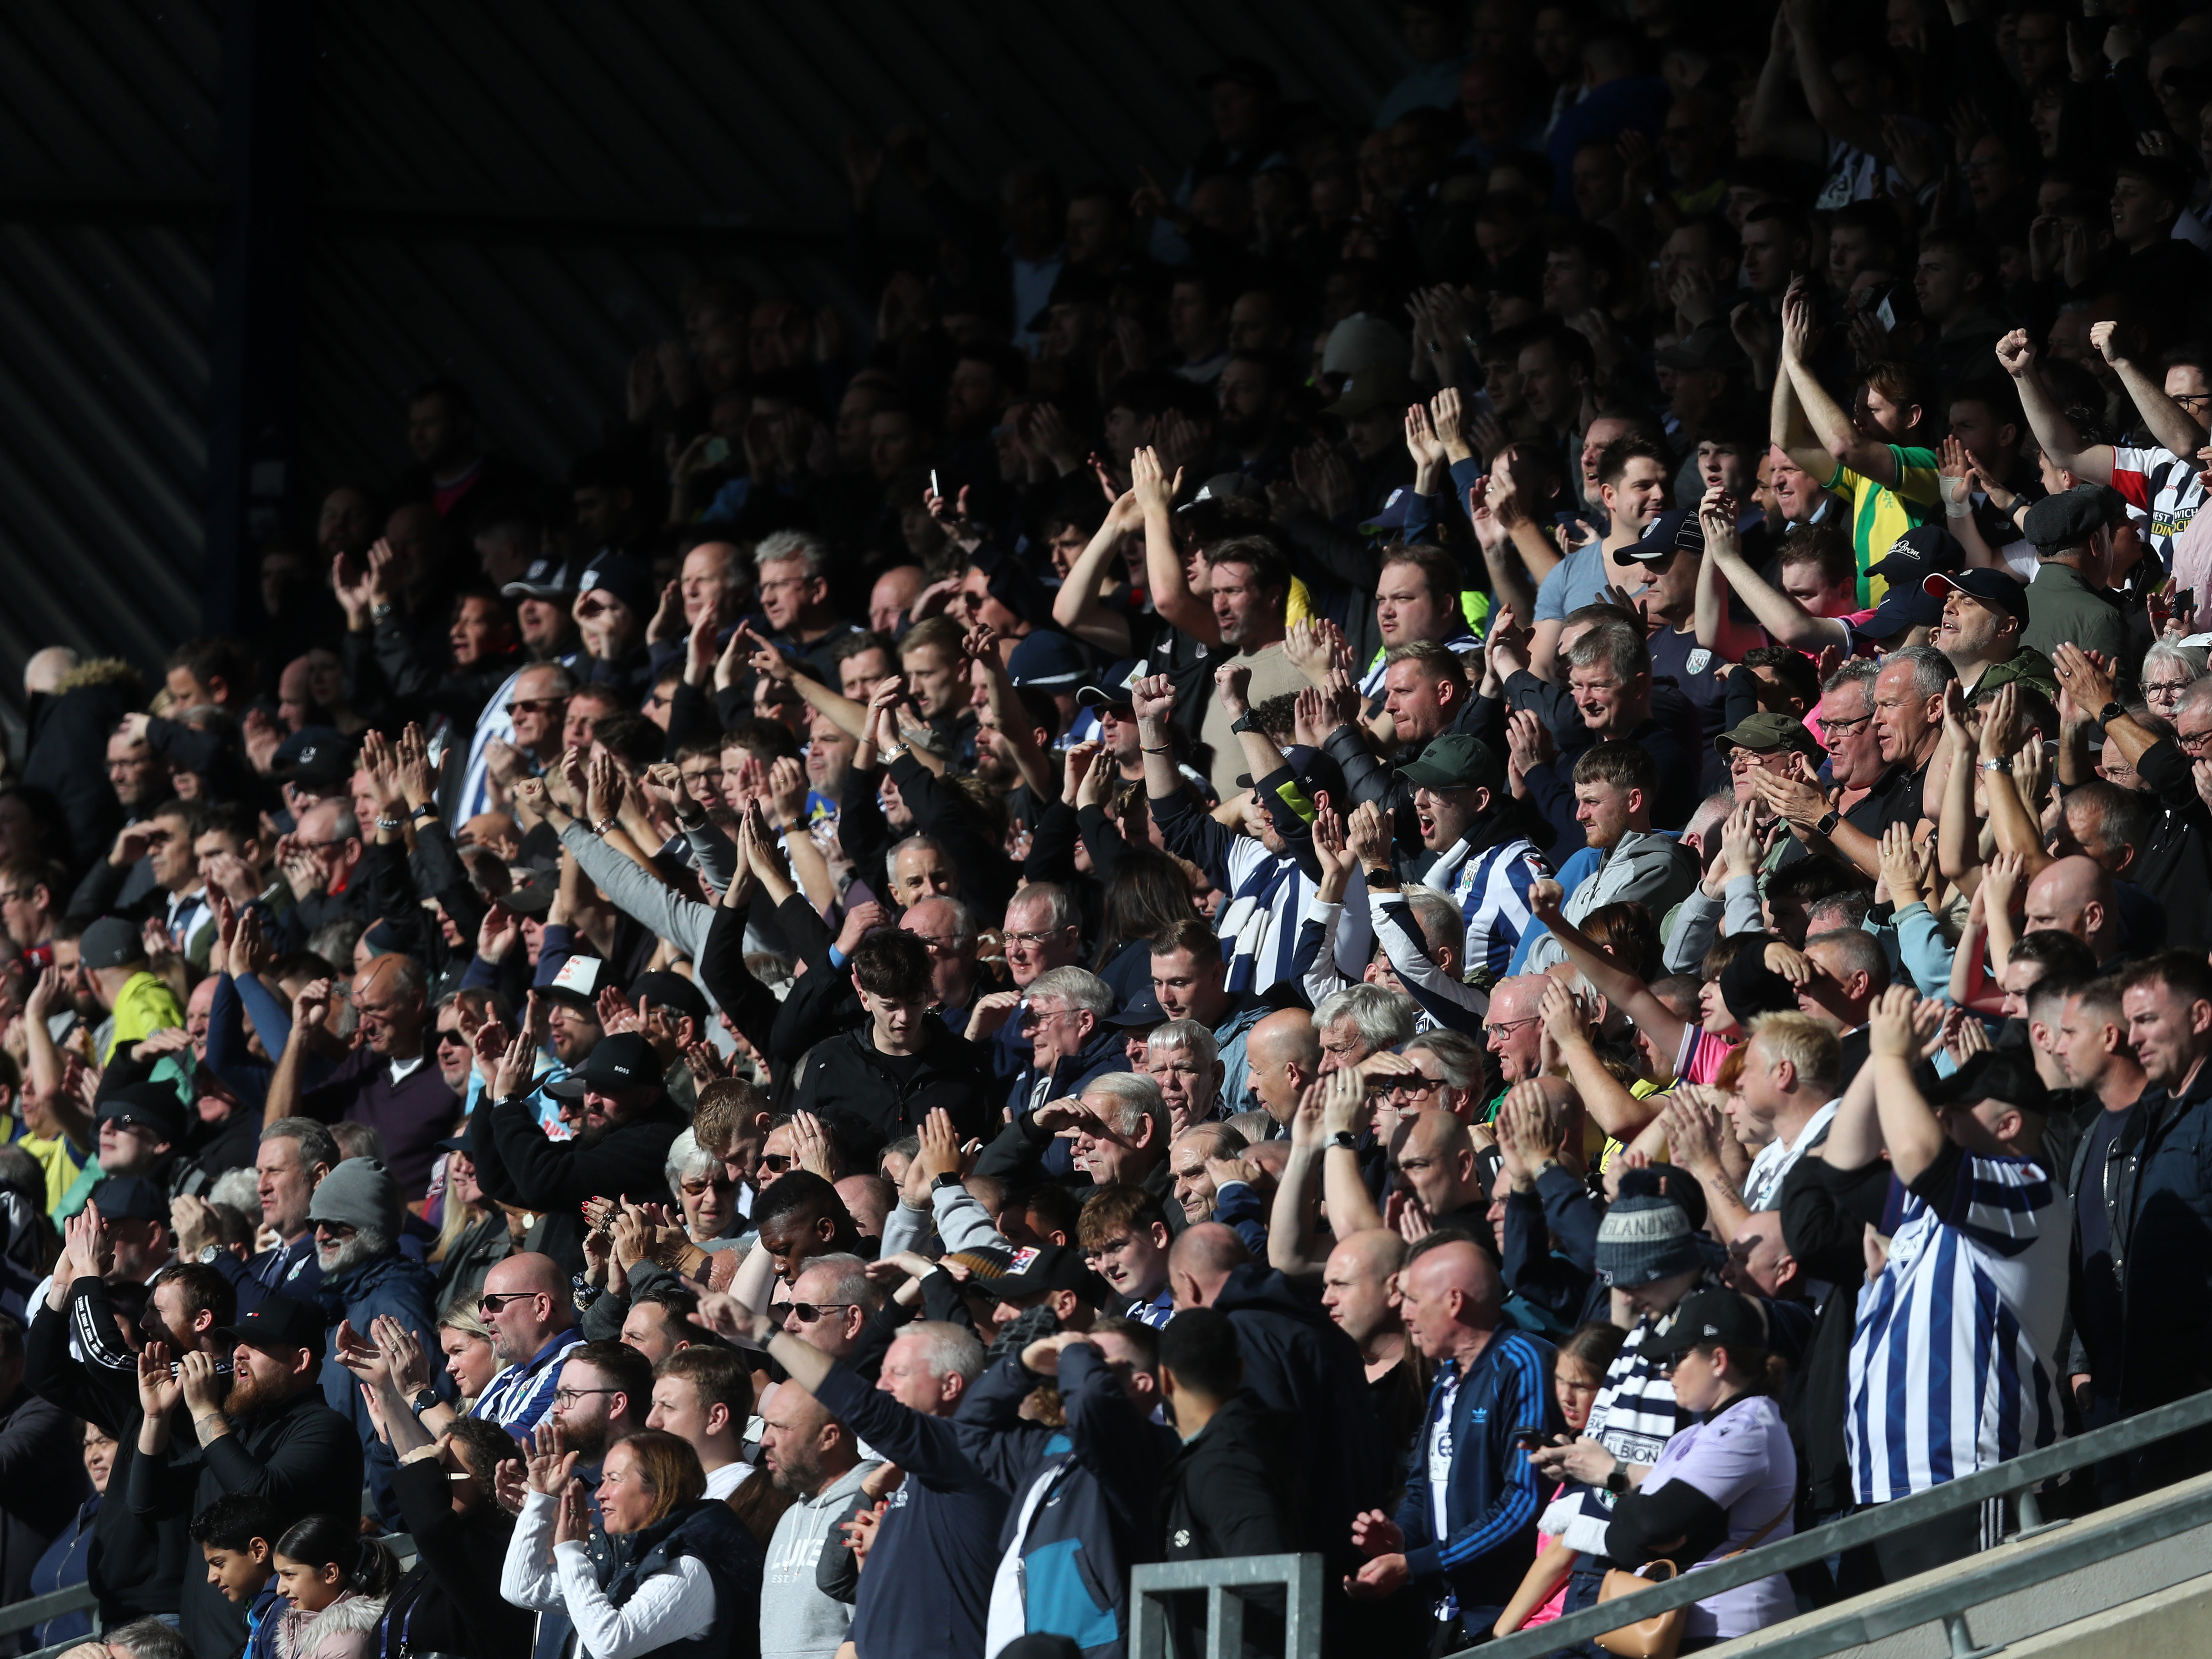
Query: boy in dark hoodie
(237, 1535)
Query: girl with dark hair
(336, 1581)
(1578, 1374)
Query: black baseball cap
(621, 1061)
(152, 1106)
(2005, 1074)
(1920, 551)
(1676, 530)
(1997, 587)
(1143, 1011)
(1039, 1267)
(277, 1325)
(1111, 689)
(669, 990)
(129, 1198)
(1715, 1318)
(1903, 607)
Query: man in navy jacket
(1490, 1384)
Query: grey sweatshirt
(797, 1621)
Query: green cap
(1454, 761)
(1764, 731)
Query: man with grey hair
(1361, 1020)
(1064, 1014)
(1184, 1057)
(357, 1214)
(936, 1550)
(1119, 1126)
(1906, 713)
(948, 928)
(920, 868)
(831, 1303)
(1043, 930)
(794, 573)
(1213, 1182)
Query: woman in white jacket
(672, 1573)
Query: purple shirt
(1741, 1459)
(412, 1115)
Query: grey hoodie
(797, 1621)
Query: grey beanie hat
(359, 1194)
(1643, 1238)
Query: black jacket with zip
(851, 1082)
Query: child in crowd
(336, 1581)
(1577, 1375)
(237, 1535)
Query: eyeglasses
(808, 1312)
(1502, 1026)
(564, 1398)
(522, 704)
(1030, 939)
(455, 1038)
(2151, 689)
(491, 1302)
(775, 1162)
(1414, 1086)
(1839, 728)
(336, 1229)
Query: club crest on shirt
(1698, 661)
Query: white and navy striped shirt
(1950, 1364)
(1492, 890)
(522, 1393)
(1259, 919)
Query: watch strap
(2109, 713)
(1826, 823)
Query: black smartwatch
(1826, 823)
(1345, 1139)
(1244, 722)
(950, 1178)
(2109, 713)
(1618, 1481)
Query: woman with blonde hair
(681, 1568)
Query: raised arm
(1897, 1026)
(1617, 985)
(2054, 433)
(1292, 1247)
(1008, 715)
(1076, 608)
(1152, 699)
(1841, 441)
(1163, 567)
(1835, 113)
(2166, 421)
(310, 1009)
(847, 715)
(1724, 566)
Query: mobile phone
(717, 451)
(1535, 1439)
(1886, 312)
(933, 490)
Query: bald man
(1490, 1384)
(527, 1307)
(391, 1082)
(1297, 1360)
(2076, 895)
(1359, 1288)
(1514, 1031)
(1432, 1163)
(1759, 1262)
(1282, 1055)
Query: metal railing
(1226, 1582)
(79, 1598)
(1948, 1598)
(1945, 1600)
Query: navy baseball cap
(1676, 530)
(1995, 587)
(1901, 608)
(1050, 660)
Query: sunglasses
(776, 1163)
(808, 1312)
(492, 1302)
(522, 704)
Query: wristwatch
(1618, 1481)
(422, 1402)
(1345, 1139)
(1998, 764)
(950, 1178)
(208, 1252)
(2109, 713)
(1826, 823)
(1244, 722)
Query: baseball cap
(533, 895)
(1316, 774)
(626, 579)
(1048, 660)
(1676, 530)
(152, 1106)
(1224, 487)
(277, 1325)
(668, 990)
(1361, 342)
(1036, 1268)
(1995, 587)
(322, 764)
(129, 1198)
(1374, 385)
(579, 981)
(1111, 689)
(1765, 731)
(2004, 1074)
(1455, 761)
(546, 579)
(1904, 606)
(1141, 1012)
(1709, 345)
(1920, 550)
(1392, 515)
(621, 1061)
(2069, 518)
(111, 942)
(1718, 1318)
